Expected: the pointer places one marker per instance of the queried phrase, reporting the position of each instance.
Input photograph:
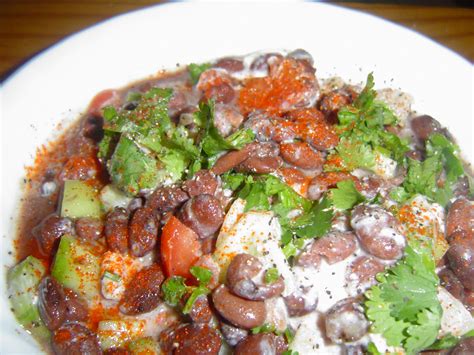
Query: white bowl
(56, 85)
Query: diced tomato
(102, 99)
(180, 248)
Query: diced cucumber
(144, 346)
(116, 333)
(77, 267)
(112, 197)
(79, 200)
(23, 280)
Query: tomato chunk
(180, 248)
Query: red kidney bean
(143, 292)
(238, 311)
(80, 167)
(89, 229)
(116, 230)
(227, 119)
(361, 273)
(257, 344)
(460, 256)
(299, 305)
(261, 125)
(232, 335)
(345, 321)
(200, 311)
(378, 231)
(263, 159)
(240, 272)
(207, 262)
(464, 347)
(190, 339)
(134, 204)
(230, 64)
(75, 339)
(460, 218)
(177, 104)
(51, 303)
(261, 62)
(451, 283)
(203, 214)
(143, 231)
(166, 199)
(232, 159)
(216, 84)
(424, 126)
(300, 154)
(203, 182)
(92, 128)
(49, 231)
(330, 103)
(334, 247)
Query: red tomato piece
(180, 248)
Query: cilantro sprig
(175, 288)
(423, 176)
(404, 306)
(363, 134)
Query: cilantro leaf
(404, 306)
(202, 274)
(345, 196)
(195, 71)
(264, 328)
(197, 292)
(316, 222)
(131, 169)
(173, 290)
(372, 349)
(271, 275)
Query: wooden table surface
(29, 26)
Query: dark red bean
(257, 344)
(143, 231)
(143, 292)
(227, 119)
(230, 64)
(232, 335)
(378, 231)
(263, 159)
(177, 104)
(238, 311)
(464, 347)
(300, 305)
(334, 247)
(75, 339)
(460, 218)
(92, 128)
(203, 214)
(261, 125)
(240, 272)
(361, 273)
(330, 103)
(451, 283)
(190, 339)
(116, 230)
(49, 231)
(300, 154)
(345, 321)
(261, 62)
(200, 311)
(203, 182)
(424, 126)
(166, 199)
(232, 159)
(89, 229)
(76, 307)
(51, 303)
(460, 256)
(216, 84)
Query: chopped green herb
(345, 196)
(112, 276)
(195, 71)
(317, 222)
(404, 306)
(271, 275)
(198, 291)
(173, 290)
(265, 328)
(372, 349)
(202, 274)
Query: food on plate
(246, 206)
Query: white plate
(59, 83)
